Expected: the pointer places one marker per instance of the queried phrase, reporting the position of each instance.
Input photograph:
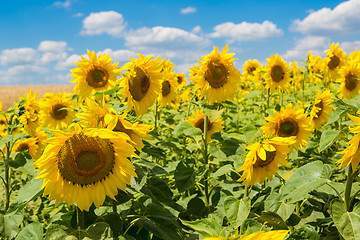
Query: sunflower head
(94, 74)
(141, 83)
(169, 88)
(335, 58)
(217, 78)
(321, 109)
(30, 119)
(180, 79)
(83, 166)
(92, 114)
(290, 122)
(29, 145)
(277, 74)
(351, 153)
(213, 126)
(349, 77)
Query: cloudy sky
(40, 40)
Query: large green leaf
(347, 223)
(184, 177)
(328, 137)
(12, 224)
(304, 180)
(304, 233)
(236, 210)
(32, 231)
(187, 129)
(207, 227)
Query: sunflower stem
(337, 192)
(113, 204)
(267, 102)
(349, 182)
(80, 218)
(156, 115)
(206, 161)
(189, 106)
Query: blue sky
(40, 40)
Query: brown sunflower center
(120, 128)
(85, 160)
(270, 156)
(251, 70)
(97, 77)
(139, 85)
(180, 79)
(57, 111)
(2, 122)
(277, 73)
(216, 74)
(200, 124)
(334, 62)
(320, 106)
(22, 147)
(166, 87)
(288, 128)
(350, 82)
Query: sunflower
(141, 83)
(92, 114)
(263, 159)
(94, 74)
(168, 89)
(213, 126)
(181, 79)
(136, 131)
(320, 112)
(316, 67)
(31, 116)
(57, 110)
(349, 77)
(217, 78)
(335, 58)
(28, 144)
(40, 138)
(251, 68)
(270, 235)
(277, 74)
(289, 122)
(83, 166)
(351, 153)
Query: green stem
(7, 180)
(189, 106)
(206, 161)
(113, 204)
(267, 102)
(156, 115)
(80, 218)
(349, 182)
(337, 192)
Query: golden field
(11, 94)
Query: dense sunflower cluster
(83, 144)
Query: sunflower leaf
(32, 231)
(327, 138)
(347, 223)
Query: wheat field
(10, 94)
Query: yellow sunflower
(213, 126)
(335, 58)
(251, 68)
(169, 88)
(316, 67)
(349, 77)
(83, 166)
(28, 144)
(57, 111)
(289, 122)
(94, 74)
(320, 112)
(263, 159)
(181, 79)
(31, 116)
(3, 123)
(351, 154)
(92, 114)
(141, 83)
(217, 78)
(277, 74)
(40, 137)
(270, 235)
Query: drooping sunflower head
(92, 114)
(351, 154)
(94, 74)
(83, 166)
(57, 110)
(213, 126)
(180, 79)
(277, 74)
(217, 78)
(349, 77)
(316, 67)
(289, 122)
(321, 109)
(28, 144)
(30, 118)
(251, 68)
(141, 83)
(335, 57)
(263, 159)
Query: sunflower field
(141, 152)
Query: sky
(40, 40)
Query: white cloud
(196, 29)
(188, 10)
(18, 56)
(48, 57)
(350, 47)
(69, 63)
(120, 56)
(315, 44)
(58, 79)
(78, 15)
(65, 4)
(246, 31)
(109, 22)
(52, 46)
(343, 19)
(164, 38)
(26, 69)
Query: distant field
(11, 94)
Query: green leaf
(339, 111)
(184, 177)
(99, 231)
(347, 223)
(32, 231)
(58, 231)
(328, 137)
(304, 180)
(187, 129)
(27, 193)
(5, 140)
(207, 227)
(236, 210)
(304, 233)
(11, 224)
(273, 220)
(19, 161)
